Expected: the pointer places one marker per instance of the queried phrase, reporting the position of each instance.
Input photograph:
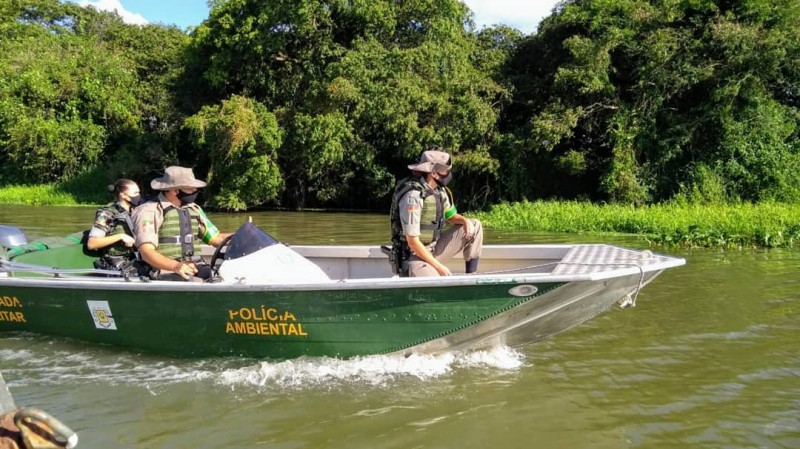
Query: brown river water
(709, 358)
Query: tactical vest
(432, 220)
(121, 223)
(176, 236)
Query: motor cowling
(12, 236)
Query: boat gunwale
(69, 282)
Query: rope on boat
(39, 421)
(31, 428)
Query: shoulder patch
(148, 222)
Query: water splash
(379, 370)
(55, 365)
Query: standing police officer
(421, 205)
(169, 229)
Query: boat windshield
(247, 240)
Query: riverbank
(683, 224)
(39, 195)
(707, 225)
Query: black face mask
(135, 200)
(187, 198)
(443, 181)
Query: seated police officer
(112, 231)
(169, 229)
(421, 205)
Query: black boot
(471, 265)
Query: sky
(523, 15)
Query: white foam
(370, 370)
(94, 365)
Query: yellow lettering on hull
(9, 315)
(10, 301)
(17, 317)
(263, 321)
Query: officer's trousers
(450, 243)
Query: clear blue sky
(521, 14)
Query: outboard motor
(11, 236)
(255, 257)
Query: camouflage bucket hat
(176, 178)
(432, 161)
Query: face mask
(187, 198)
(135, 200)
(444, 180)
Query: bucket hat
(432, 161)
(176, 178)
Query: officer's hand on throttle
(127, 240)
(185, 269)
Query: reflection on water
(708, 358)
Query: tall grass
(37, 195)
(86, 188)
(726, 225)
(677, 223)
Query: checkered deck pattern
(585, 259)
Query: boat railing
(10, 267)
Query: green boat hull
(529, 292)
(274, 324)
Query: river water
(709, 358)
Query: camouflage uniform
(113, 219)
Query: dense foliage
(645, 100)
(358, 88)
(80, 92)
(317, 103)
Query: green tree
(241, 138)
(634, 101)
(83, 93)
(59, 101)
(359, 88)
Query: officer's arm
(422, 252)
(151, 255)
(217, 239)
(460, 220)
(98, 235)
(102, 242)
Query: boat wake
(375, 371)
(36, 360)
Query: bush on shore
(37, 195)
(674, 223)
(677, 223)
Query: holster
(398, 258)
(127, 266)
